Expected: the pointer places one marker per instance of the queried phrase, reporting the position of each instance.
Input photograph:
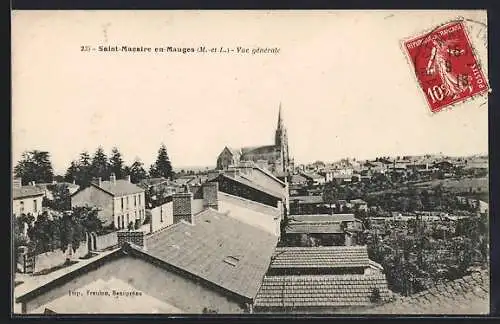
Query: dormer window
(231, 260)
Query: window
(231, 260)
(135, 215)
(135, 201)
(161, 214)
(122, 203)
(118, 225)
(128, 220)
(35, 206)
(127, 202)
(21, 207)
(139, 200)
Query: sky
(342, 78)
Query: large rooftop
(26, 192)
(119, 187)
(320, 291)
(468, 295)
(217, 248)
(321, 257)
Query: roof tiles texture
(202, 249)
(323, 218)
(314, 228)
(119, 188)
(321, 290)
(26, 191)
(321, 257)
(467, 295)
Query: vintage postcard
(250, 162)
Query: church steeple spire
(280, 119)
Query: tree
(162, 167)
(80, 171)
(34, 166)
(62, 197)
(42, 234)
(72, 172)
(75, 226)
(116, 163)
(137, 172)
(100, 167)
(329, 195)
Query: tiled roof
(298, 178)
(95, 304)
(357, 201)
(257, 149)
(314, 228)
(153, 181)
(319, 218)
(120, 188)
(202, 249)
(320, 290)
(321, 257)
(307, 199)
(254, 185)
(26, 191)
(468, 295)
(312, 176)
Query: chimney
(74, 181)
(33, 183)
(112, 178)
(211, 195)
(99, 181)
(181, 207)
(128, 178)
(135, 237)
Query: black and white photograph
(250, 162)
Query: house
(307, 205)
(340, 175)
(465, 296)
(298, 180)
(323, 230)
(47, 188)
(334, 279)
(314, 179)
(26, 199)
(204, 262)
(359, 204)
(120, 202)
(256, 187)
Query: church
(274, 158)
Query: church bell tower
(281, 141)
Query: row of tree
(36, 166)
(48, 233)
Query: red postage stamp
(445, 65)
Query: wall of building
(262, 216)
(135, 209)
(225, 159)
(150, 279)
(28, 206)
(91, 196)
(57, 257)
(161, 217)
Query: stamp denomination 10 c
(445, 65)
